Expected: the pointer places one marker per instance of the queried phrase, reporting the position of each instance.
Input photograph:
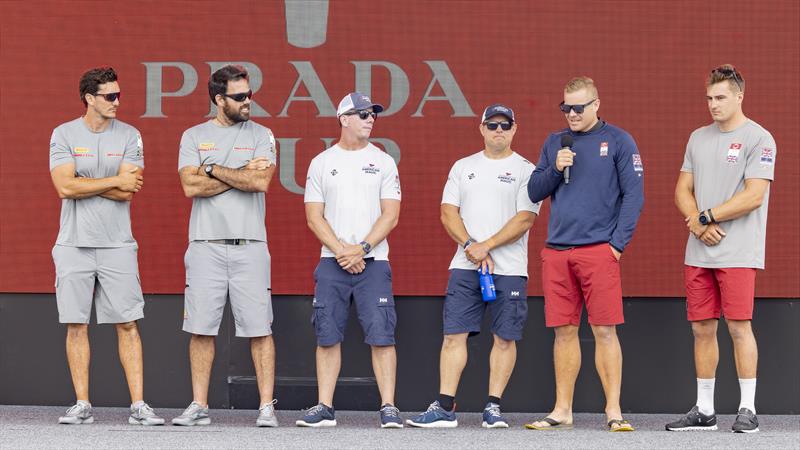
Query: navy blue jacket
(605, 193)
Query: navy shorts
(464, 305)
(372, 292)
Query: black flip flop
(553, 425)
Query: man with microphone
(593, 174)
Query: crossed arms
(254, 177)
(121, 187)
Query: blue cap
(498, 109)
(356, 101)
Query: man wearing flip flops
(723, 194)
(593, 174)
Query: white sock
(705, 395)
(747, 386)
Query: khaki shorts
(216, 272)
(109, 276)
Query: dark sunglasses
(111, 97)
(505, 126)
(730, 73)
(240, 97)
(577, 108)
(363, 114)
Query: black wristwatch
(365, 246)
(704, 218)
(210, 171)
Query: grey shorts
(215, 272)
(109, 276)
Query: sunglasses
(505, 126)
(240, 97)
(363, 114)
(111, 97)
(730, 73)
(577, 108)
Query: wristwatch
(210, 171)
(468, 242)
(365, 246)
(704, 219)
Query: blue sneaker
(390, 417)
(318, 416)
(435, 417)
(492, 417)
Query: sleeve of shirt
(265, 146)
(390, 183)
(60, 151)
(452, 194)
(189, 155)
(545, 178)
(761, 159)
(524, 202)
(687, 157)
(134, 149)
(313, 193)
(630, 172)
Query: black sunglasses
(505, 126)
(363, 114)
(730, 73)
(240, 97)
(111, 97)
(577, 108)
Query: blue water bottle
(487, 286)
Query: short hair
(578, 83)
(726, 72)
(218, 83)
(93, 78)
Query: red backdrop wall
(648, 58)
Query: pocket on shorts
(387, 313)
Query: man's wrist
(468, 242)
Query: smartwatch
(210, 171)
(365, 246)
(704, 219)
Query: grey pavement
(24, 427)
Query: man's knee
(705, 329)
(503, 344)
(452, 341)
(127, 327)
(604, 334)
(740, 330)
(566, 334)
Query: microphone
(566, 142)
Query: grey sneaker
(195, 414)
(80, 412)
(143, 414)
(266, 415)
(746, 422)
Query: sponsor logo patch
(397, 184)
(115, 154)
(334, 172)
(471, 175)
(507, 177)
(767, 156)
(637, 162)
(604, 149)
(371, 169)
(383, 300)
(80, 150)
(514, 293)
(244, 149)
(206, 146)
(733, 153)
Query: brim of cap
(375, 107)
(507, 116)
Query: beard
(236, 115)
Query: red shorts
(588, 274)
(711, 291)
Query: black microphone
(566, 142)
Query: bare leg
(706, 348)
(745, 348)
(263, 351)
(501, 364)
(329, 362)
(78, 356)
(452, 360)
(384, 364)
(129, 345)
(201, 356)
(567, 362)
(608, 360)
